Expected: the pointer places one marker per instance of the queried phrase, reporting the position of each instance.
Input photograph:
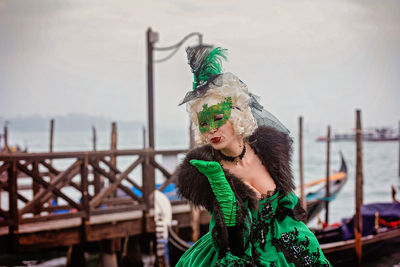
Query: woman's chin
(218, 146)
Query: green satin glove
(221, 188)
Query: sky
(318, 59)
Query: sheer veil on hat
(206, 66)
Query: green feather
(210, 66)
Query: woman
(241, 174)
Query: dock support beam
(359, 190)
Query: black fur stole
(273, 148)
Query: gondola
(381, 235)
(316, 199)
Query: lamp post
(147, 168)
(152, 38)
(148, 171)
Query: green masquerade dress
(267, 232)
(275, 238)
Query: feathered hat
(206, 65)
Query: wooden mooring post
(51, 141)
(5, 136)
(94, 138)
(327, 194)
(301, 171)
(51, 136)
(113, 145)
(359, 190)
(97, 179)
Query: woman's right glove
(221, 188)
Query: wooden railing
(101, 187)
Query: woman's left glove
(221, 188)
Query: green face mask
(213, 117)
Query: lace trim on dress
(269, 194)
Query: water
(380, 160)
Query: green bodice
(273, 235)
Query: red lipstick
(215, 140)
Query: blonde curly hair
(226, 85)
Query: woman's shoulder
(269, 136)
(201, 153)
(274, 149)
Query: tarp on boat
(390, 212)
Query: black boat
(316, 199)
(381, 235)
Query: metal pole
(302, 197)
(398, 137)
(148, 172)
(328, 142)
(150, 95)
(359, 190)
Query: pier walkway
(90, 199)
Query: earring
(241, 145)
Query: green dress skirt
(276, 238)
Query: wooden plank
(21, 197)
(38, 240)
(12, 200)
(127, 190)
(92, 154)
(109, 210)
(44, 195)
(51, 209)
(52, 217)
(4, 184)
(161, 168)
(96, 201)
(78, 188)
(49, 225)
(185, 221)
(116, 217)
(116, 170)
(3, 214)
(148, 182)
(35, 186)
(84, 187)
(98, 232)
(49, 167)
(118, 201)
(4, 230)
(4, 167)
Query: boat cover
(390, 212)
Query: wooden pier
(43, 214)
